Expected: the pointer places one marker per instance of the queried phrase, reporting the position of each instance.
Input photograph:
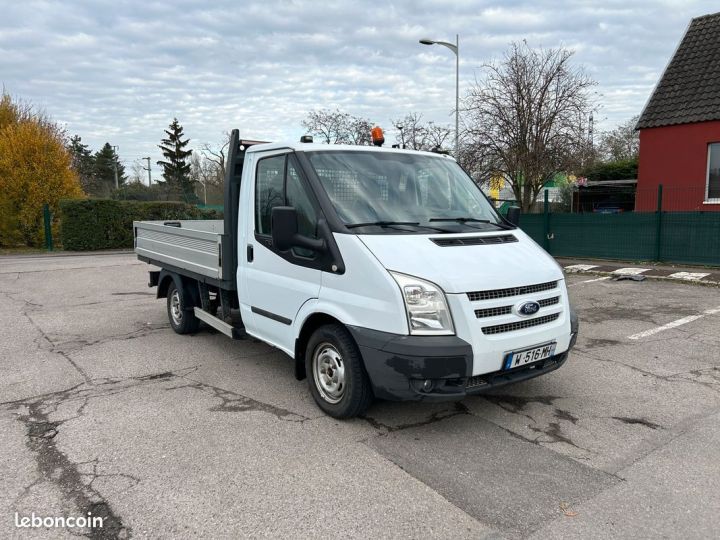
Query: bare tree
(358, 131)
(217, 154)
(137, 172)
(412, 130)
(338, 127)
(437, 135)
(526, 119)
(622, 143)
(416, 134)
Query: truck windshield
(388, 192)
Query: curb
(711, 278)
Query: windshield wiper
(393, 224)
(460, 219)
(466, 220)
(381, 224)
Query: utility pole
(115, 158)
(149, 172)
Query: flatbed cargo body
(189, 247)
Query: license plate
(528, 356)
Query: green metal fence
(687, 237)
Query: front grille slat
(545, 302)
(512, 291)
(493, 312)
(507, 310)
(519, 325)
(475, 240)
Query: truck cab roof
(314, 147)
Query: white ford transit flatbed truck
(384, 273)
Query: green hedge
(89, 224)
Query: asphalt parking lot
(105, 410)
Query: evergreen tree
(105, 161)
(176, 165)
(83, 163)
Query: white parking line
(580, 267)
(630, 271)
(675, 324)
(590, 281)
(689, 276)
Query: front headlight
(426, 306)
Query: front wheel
(336, 375)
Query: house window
(713, 173)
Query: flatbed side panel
(227, 284)
(198, 251)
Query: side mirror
(285, 234)
(513, 215)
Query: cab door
(277, 284)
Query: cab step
(234, 332)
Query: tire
(180, 311)
(335, 372)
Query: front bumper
(435, 368)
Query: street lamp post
(454, 47)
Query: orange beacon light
(377, 136)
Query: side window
(297, 196)
(713, 173)
(307, 218)
(269, 182)
(276, 187)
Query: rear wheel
(180, 311)
(336, 375)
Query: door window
(269, 191)
(296, 196)
(278, 183)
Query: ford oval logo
(528, 308)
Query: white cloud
(120, 71)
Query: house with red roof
(680, 126)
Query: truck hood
(464, 268)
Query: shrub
(106, 224)
(612, 170)
(35, 169)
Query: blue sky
(119, 71)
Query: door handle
(250, 253)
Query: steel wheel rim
(329, 372)
(175, 308)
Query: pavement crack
(675, 377)
(76, 345)
(549, 434)
(438, 416)
(555, 432)
(637, 421)
(565, 415)
(55, 467)
(233, 402)
(44, 336)
(516, 404)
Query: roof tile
(689, 90)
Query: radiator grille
(545, 302)
(475, 240)
(507, 310)
(519, 325)
(493, 312)
(512, 291)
